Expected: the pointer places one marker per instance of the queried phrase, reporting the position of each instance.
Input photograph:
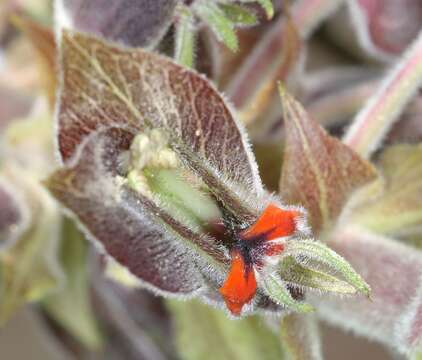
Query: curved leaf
(305, 251)
(219, 22)
(397, 211)
(104, 85)
(295, 273)
(129, 22)
(127, 225)
(280, 294)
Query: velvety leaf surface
(206, 333)
(393, 271)
(127, 225)
(319, 172)
(129, 22)
(317, 256)
(314, 279)
(104, 85)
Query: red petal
(240, 285)
(274, 223)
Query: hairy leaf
(129, 226)
(393, 271)
(409, 328)
(104, 85)
(185, 38)
(71, 306)
(206, 333)
(305, 251)
(219, 22)
(268, 7)
(318, 171)
(372, 123)
(398, 210)
(280, 294)
(238, 14)
(129, 22)
(300, 337)
(294, 273)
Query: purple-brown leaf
(129, 22)
(127, 225)
(393, 270)
(319, 172)
(104, 85)
(386, 27)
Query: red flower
(249, 251)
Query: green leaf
(71, 306)
(29, 269)
(279, 293)
(267, 5)
(181, 199)
(293, 272)
(397, 211)
(219, 23)
(185, 38)
(207, 334)
(417, 356)
(305, 250)
(238, 14)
